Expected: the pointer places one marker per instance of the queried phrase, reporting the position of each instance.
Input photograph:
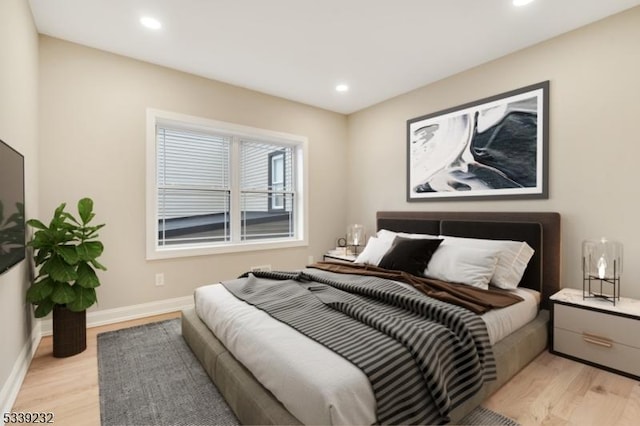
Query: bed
(254, 404)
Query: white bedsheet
(316, 385)
(502, 322)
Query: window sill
(156, 253)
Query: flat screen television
(12, 223)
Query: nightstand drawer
(597, 350)
(610, 327)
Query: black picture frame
(492, 148)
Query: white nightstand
(338, 257)
(597, 332)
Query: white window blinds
(193, 183)
(220, 188)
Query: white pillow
(385, 234)
(374, 251)
(464, 265)
(513, 258)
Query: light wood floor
(557, 391)
(550, 391)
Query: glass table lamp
(601, 269)
(355, 237)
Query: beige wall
(93, 111)
(18, 128)
(594, 139)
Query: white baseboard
(11, 387)
(110, 316)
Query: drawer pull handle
(596, 340)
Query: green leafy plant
(66, 254)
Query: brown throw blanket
(475, 299)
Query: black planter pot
(69, 332)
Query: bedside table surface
(574, 296)
(338, 256)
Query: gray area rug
(149, 376)
(484, 416)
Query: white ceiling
(301, 49)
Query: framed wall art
(494, 148)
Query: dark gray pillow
(410, 255)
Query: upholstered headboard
(541, 230)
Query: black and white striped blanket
(422, 356)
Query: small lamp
(601, 269)
(355, 237)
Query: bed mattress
(313, 383)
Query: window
(218, 187)
(277, 179)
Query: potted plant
(65, 253)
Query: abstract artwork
(492, 148)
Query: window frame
(200, 124)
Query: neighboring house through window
(220, 187)
(277, 174)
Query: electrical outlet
(310, 260)
(159, 279)
(263, 268)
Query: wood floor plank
(517, 398)
(555, 391)
(551, 390)
(631, 412)
(599, 407)
(571, 394)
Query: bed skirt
(253, 404)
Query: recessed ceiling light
(151, 23)
(521, 2)
(342, 88)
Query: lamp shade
(355, 235)
(602, 259)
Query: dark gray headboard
(541, 230)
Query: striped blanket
(422, 356)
